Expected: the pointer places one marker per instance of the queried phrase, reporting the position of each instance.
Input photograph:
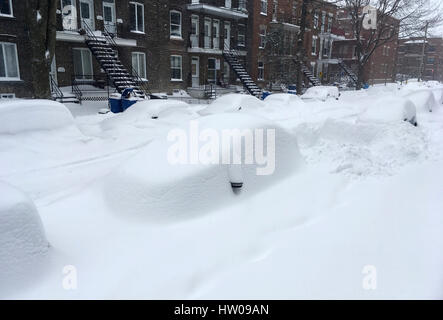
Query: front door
(212, 70)
(109, 16)
(195, 68)
(69, 15)
(227, 35)
(87, 13)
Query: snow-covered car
(321, 93)
(180, 182)
(390, 109)
(156, 108)
(283, 99)
(424, 100)
(232, 102)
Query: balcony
(223, 12)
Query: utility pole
(420, 72)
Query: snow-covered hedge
(18, 116)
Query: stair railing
(55, 89)
(142, 83)
(109, 37)
(76, 90)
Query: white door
(195, 68)
(227, 35)
(69, 15)
(207, 33)
(109, 16)
(87, 13)
(216, 33)
(194, 31)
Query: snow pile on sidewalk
(23, 245)
(232, 102)
(150, 185)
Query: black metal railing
(55, 89)
(140, 82)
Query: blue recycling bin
(115, 103)
(265, 94)
(292, 89)
(128, 99)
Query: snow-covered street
(355, 187)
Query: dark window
(6, 7)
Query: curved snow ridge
(23, 244)
(149, 185)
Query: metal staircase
(104, 50)
(232, 58)
(348, 71)
(308, 74)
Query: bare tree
(41, 20)
(395, 19)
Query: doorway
(195, 70)
(87, 13)
(109, 19)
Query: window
(330, 23)
(228, 4)
(176, 68)
(262, 37)
(294, 11)
(139, 64)
(323, 22)
(7, 96)
(241, 35)
(8, 61)
(82, 64)
(315, 20)
(275, 10)
(431, 60)
(137, 14)
(226, 72)
(314, 46)
(264, 7)
(212, 70)
(261, 71)
(175, 21)
(6, 8)
(354, 52)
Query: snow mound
(150, 185)
(390, 109)
(23, 244)
(379, 89)
(232, 102)
(31, 115)
(321, 93)
(144, 114)
(424, 100)
(363, 149)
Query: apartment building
(166, 44)
(411, 58)
(381, 66)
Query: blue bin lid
(127, 91)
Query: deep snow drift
(354, 186)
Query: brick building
(381, 65)
(168, 44)
(410, 57)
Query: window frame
(172, 36)
(243, 35)
(138, 54)
(90, 61)
(11, 15)
(136, 5)
(264, 7)
(260, 70)
(314, 45)
(181, 67)
(262, 37)
(6, 78)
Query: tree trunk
(41, 18)
(359, 83)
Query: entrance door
(194, 31)
(212, 71)
(69, 15)
(216, 33)
(207, 33)
(227, 35)
(109, 16)
(195, 68)
(87, 13)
